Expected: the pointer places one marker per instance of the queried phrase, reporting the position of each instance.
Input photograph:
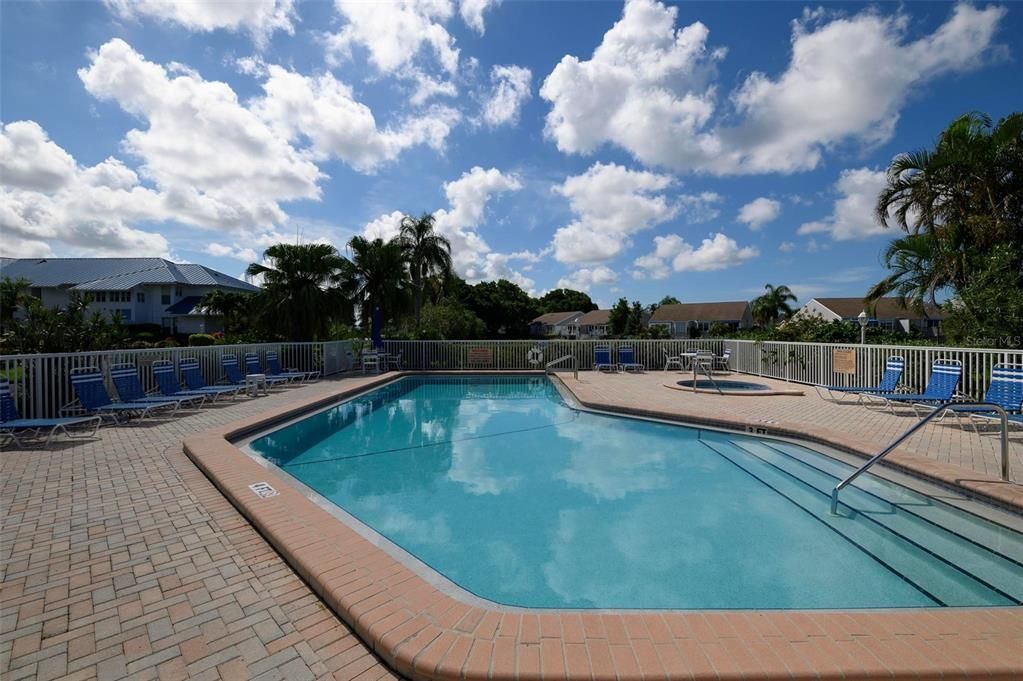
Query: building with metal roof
(686, 320)
(140, 290)
(564, 324)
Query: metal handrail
(940, 409)
(707, 369)
(575, 365)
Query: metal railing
(940, 409)
(41, 383)
(561, 360)
(704, 363)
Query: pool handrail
(575, 365)
(704, 362)
(940, 409)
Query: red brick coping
(428, 635)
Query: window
(165, 299)
(119, 296)
(140, 297)
(125, 314)
(99, 296)
(177, 292)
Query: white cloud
(787, 246)
(324, 111)
(394, 32)
(260, 18)
(472, 13)
(47, 201)
(645, 89)
(700, 207)
(610, 202)
(237, 252)
(585, 278)
(852, 216)
(717, 252)
(759, 212)
(510, 90)
(467, 199)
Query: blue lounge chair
(941, 387)
(93, 398)
(129, 388)
(1005, 390)
(627, 359)
(273, 368)
(893, 368)
(252, 367)
(167, 382)
(192, 374)
(232, 373)
(602, 360)
(12, 425)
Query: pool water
(725, 385)
(501, 487)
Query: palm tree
(301, 284)
(376, 275)
(773, 305)
(965, 196)
(427, 252)
(13, 294)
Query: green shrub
(201, 339)
(168, 343)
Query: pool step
(990, 535)
(943, 582)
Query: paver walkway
(121, 560)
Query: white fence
(41, 384)
(809, 363)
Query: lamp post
(862, 319)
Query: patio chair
(627, 359)
(672, 360)
(1005, 390)
(93, 398)
(721, 361)
(273, 368)
(12, 425)
(192, 374)
(941, 387)
(129, 388)
(602, 360)
(167, 383)
(394, 361)
(370, 358)
(893, 368)
(252, 367)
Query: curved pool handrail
(575, 365)
(940, 409)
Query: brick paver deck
(121, 560)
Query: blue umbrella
(377, 323)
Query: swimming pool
(725, 385)
(502, 488)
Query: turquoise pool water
(497, 484)
(725, 385)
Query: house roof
(884, 308)
(116, 274)
(554, 318)
(701, 312)
(595, 317)
(188, 305)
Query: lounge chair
(672, 360)
(12, 425)
(627, 359)
(893, 368)
(1005, 390)
(941, 387)
(192, 374)
(129, 388)
(252, 367)
(167, 382)
(93, 398)
(273, 368)
(602, 360)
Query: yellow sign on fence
(843, 361)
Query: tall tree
(957, 203)
(773, 306)
(634, 326)
(566, 300)
(13, 294)
(618, 318)
(240, 311)
(666, 300)
(377, 276)
(427, 253)
(300, 281)
(504, 307)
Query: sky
(698, 149)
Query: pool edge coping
(429, 635)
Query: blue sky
(699, 150)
